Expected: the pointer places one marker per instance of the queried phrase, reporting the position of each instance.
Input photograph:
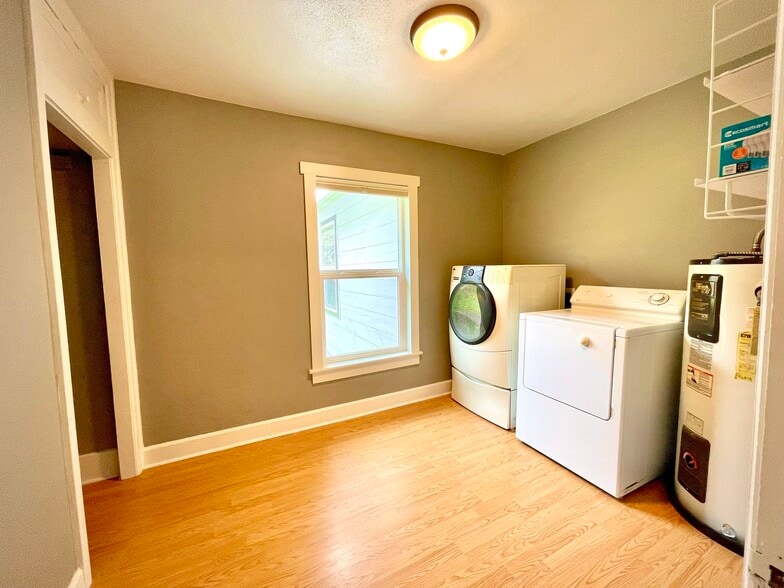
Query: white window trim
(320, 371)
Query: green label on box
(746, 147)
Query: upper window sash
(360, 230)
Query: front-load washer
(598, 384)
(484, 304)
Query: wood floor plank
(424, 495)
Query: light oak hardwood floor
(424, 495)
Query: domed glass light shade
(444, 32)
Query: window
(362, 270)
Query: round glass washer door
(471, 312)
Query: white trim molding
(180, 449)
(765, 536)
(99, 465)
(61, 58)
(337, 172)
(70, 87)
(358, 368)
(77, 580)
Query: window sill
(361, 367)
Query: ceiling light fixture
(444, 32)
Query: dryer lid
(571, 362)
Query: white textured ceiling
(537, 67)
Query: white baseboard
(100, 465)
(156, 455)
(77, 581)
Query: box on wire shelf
(746, 146)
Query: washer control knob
(658, 298)
(585, 341)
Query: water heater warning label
(695, 423)
(699, 380)
(701, 354)
(748, 341)
(746, 363)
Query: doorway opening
(85, 311)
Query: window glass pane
(364, 229)
(366, 319)
(331, 296)
(328, 244)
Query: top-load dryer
(598, 384)
(485, 302)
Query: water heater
(716, 416)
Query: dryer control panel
(634, 300)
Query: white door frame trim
(765, 539)
(116, 285)
(47, 107)
(112, 239)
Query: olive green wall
(216, 241)
(216, 237)
(613, 198)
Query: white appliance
(716, 419)
(484, 304)
(598, 384)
